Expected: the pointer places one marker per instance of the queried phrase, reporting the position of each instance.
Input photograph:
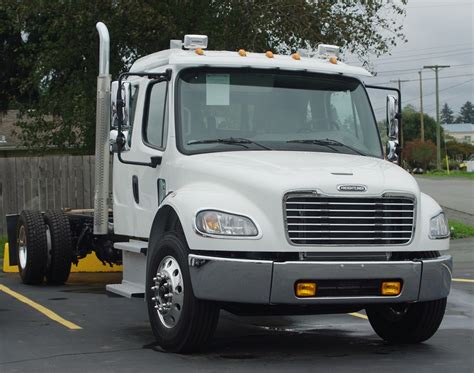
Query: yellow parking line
(359, 315)
(463, 280)
(52, 315)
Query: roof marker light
(242, 52)
(199, 51)
(296, 56)
(269, 54)
(333, 60)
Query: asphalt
(456, 195)
(115, 335)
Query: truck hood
(283, 171)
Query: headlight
(439, 226)
(221, 223)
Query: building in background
(462, 132)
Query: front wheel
(180, 322)
(407, 323)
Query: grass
(438, 173)
(460, 230)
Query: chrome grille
(312, 219)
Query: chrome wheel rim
(168, 292)
(22, 247)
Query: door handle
(136, 197)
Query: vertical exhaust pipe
(102, 152)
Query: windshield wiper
(328, 143)
(230, 141)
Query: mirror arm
(121, 141)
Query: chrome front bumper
(269, 282)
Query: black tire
(407, 323)
(60, 250)
(32, 247)
(198, 319)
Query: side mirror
(127, 100)
(392, 129)
(113, 141)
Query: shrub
(420, 154)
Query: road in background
(456, 195)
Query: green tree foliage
(459, 150)
(412, 126)
(466, 114)
(446, 114)
(13, 88)
(419, 154)
(52, 46)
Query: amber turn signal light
(391, 288)
(305, 289)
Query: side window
(133, 107)
(154, 133)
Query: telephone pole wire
(436, 68)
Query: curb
(88, 264)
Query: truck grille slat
(317, 220)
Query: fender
(185, 203)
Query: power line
(425, 57)
(416, 80)
(416, 69)
(417, 54)
(438, 5)
(430, 94)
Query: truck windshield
(240, 110)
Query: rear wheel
(407, 323)
(180, 322)
(58, 234)
(32, 247)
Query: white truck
(255, 183)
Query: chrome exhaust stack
(102, 152)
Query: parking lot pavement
(116, 337)
(454, 193)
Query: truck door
(153, 135)
(135, 186)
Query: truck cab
(257, 183)
(273, 195)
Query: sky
(438, 32)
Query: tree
(446, 114)
(55, 46)
(419, 154)
(466, 114)
(412, 126)
(459, 150)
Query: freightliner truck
(251, 182)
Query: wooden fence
(41, 183)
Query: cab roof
(187, 58)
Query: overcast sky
(438, 32)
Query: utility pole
(399, 81)
(422, 124)
(436, 68)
